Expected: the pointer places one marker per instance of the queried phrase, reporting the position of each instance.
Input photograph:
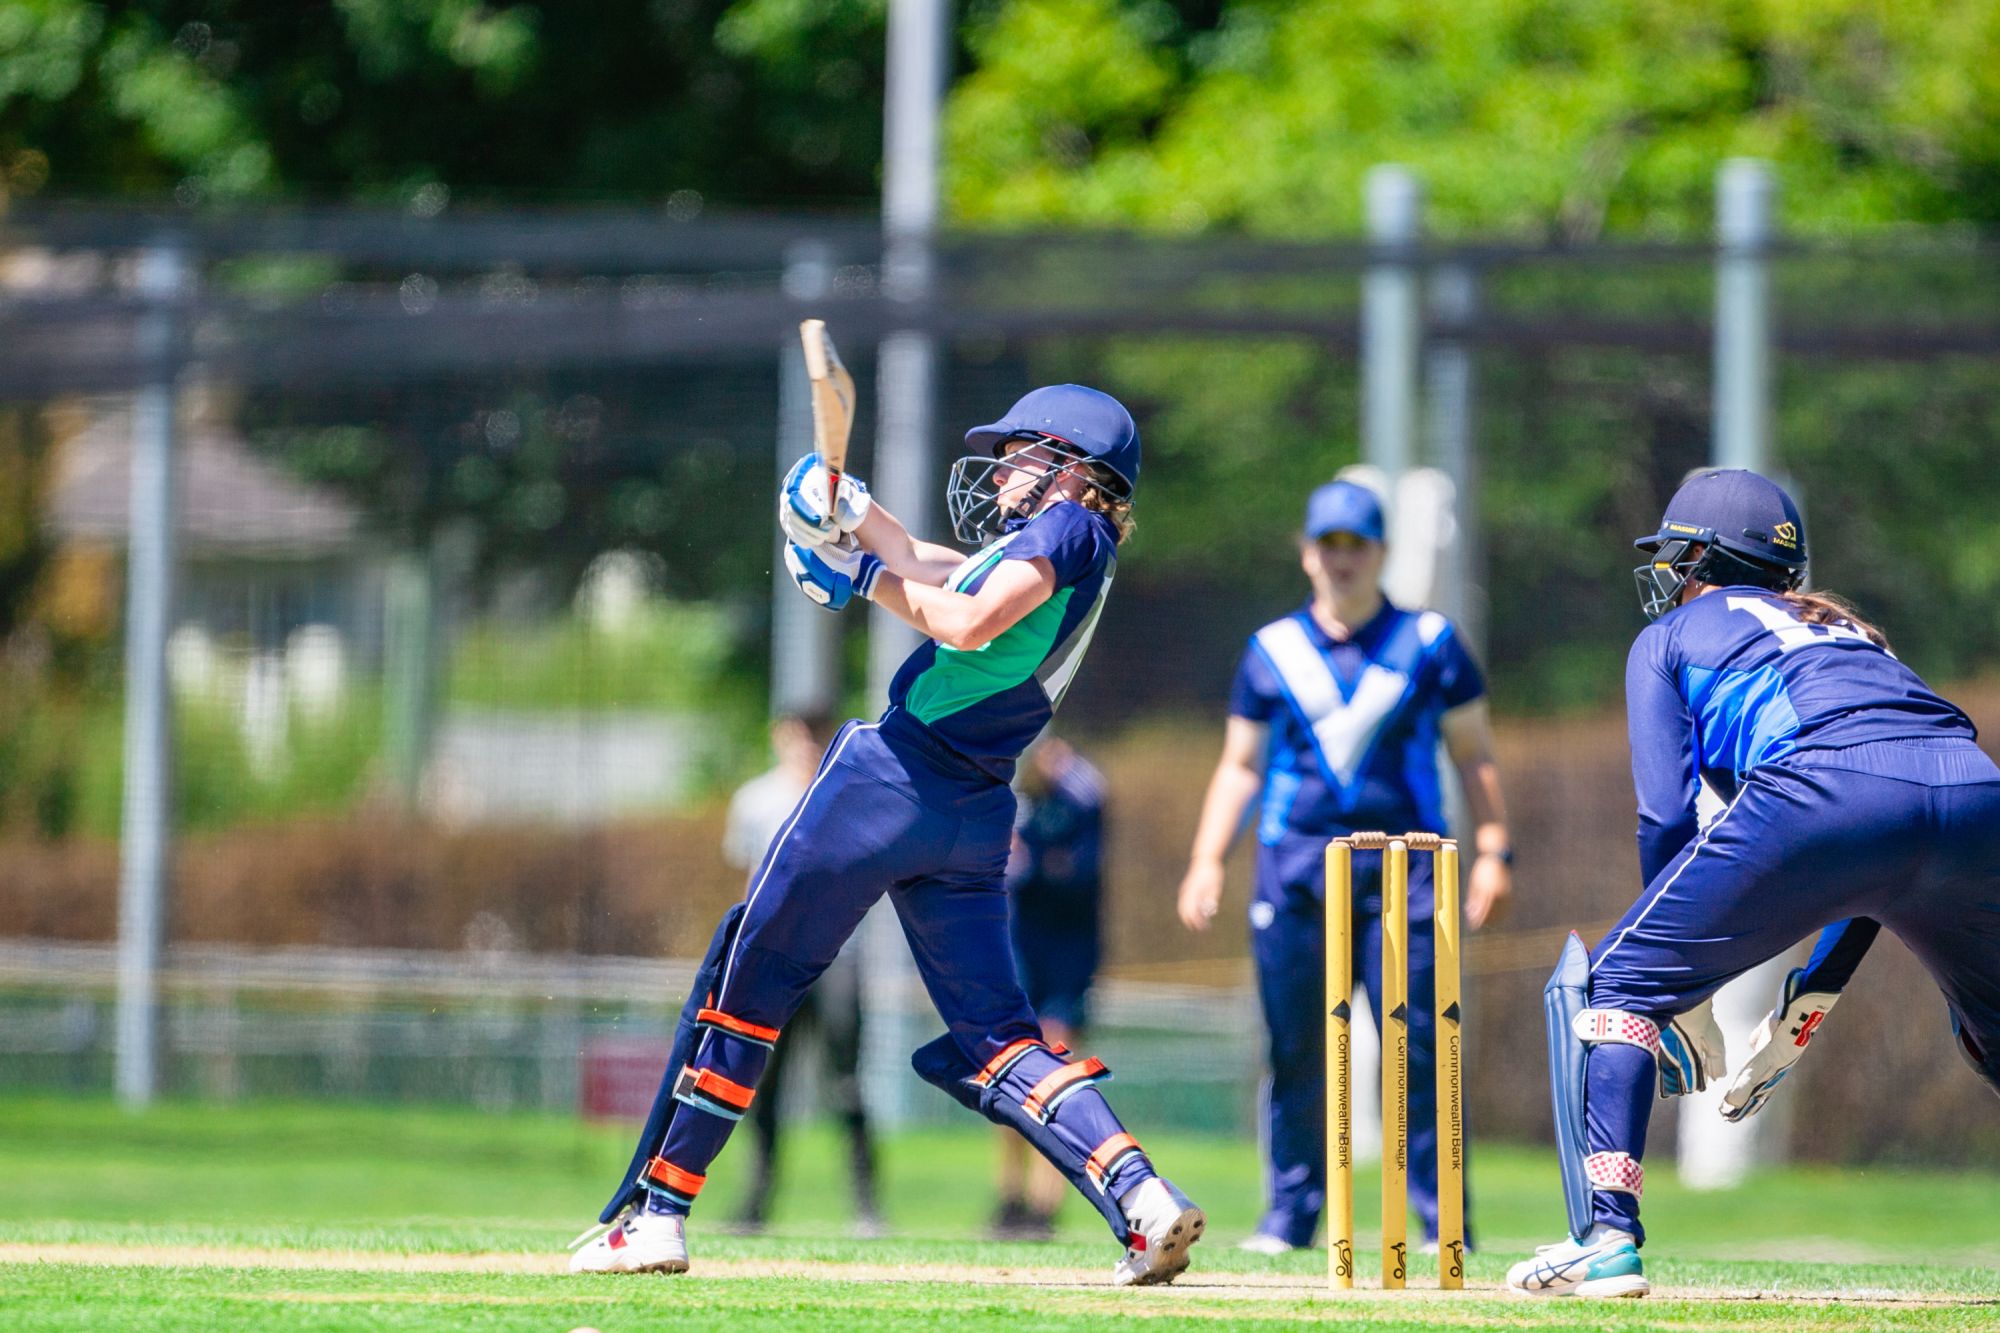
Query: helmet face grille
(972, 492)
(1661, 579)
(972, 499)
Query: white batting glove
(803, 511)
(1775, 1047)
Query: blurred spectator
(1055, 895)
(832, 1009)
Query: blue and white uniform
(1353, 746)
(1853, 791)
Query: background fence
(472, 625)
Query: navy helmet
(1085, 425)
(1724, 526)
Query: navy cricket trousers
(890, 811)
(1904, 832)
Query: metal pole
(906, 369)
(1714, 1153)
(1450, 391)
(409, 668)
(1389, 322)
(1745, 195)
(805, 640)
(905, 473)
(146, 826)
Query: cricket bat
(833, 404)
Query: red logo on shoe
(1806, 1028)
(616, 1240)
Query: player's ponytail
(1101, 497)
(1823, 608)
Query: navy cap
(1090, 420)
(1739, 511)
(1344, 506)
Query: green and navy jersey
(988, 703)
(1734, 680)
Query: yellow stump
(1450, 1073)
(1339, 939)
(1395, 1062)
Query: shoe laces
(592, 1232)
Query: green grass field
(301, 1217)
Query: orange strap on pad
(1107, 1156)
(1009, 1054)
(665, 1176)
(706, 1090)
(736, 1027)
(1060, 1082)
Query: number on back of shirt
(1791, 631)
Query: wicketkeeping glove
(1776, 1046)
(832, 574)
(803, 509)
(1691, 1052)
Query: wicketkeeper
(1856, 798)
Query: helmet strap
(1724, 568)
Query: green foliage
(1562, 117)
(423, 101)
(326, 763)
(671, 656)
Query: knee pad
(1688, 1050)
(1052, 1102)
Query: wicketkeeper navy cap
(1344, 506)
(1743, 513)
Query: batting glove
(1775, 1047)
(803, 509)
(831, 575)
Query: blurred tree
(423, 101)
(1540, 117)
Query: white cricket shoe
(1264, 1243)
(1604, 1263)
(638, 1242)
(1164, 1224)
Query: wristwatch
(1506, 856)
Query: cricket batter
(1856, 798)
(917, 806)
(1334, 724)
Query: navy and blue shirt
(1353, 722)
(988, 703)
(1055, 878)
(1734, 680)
